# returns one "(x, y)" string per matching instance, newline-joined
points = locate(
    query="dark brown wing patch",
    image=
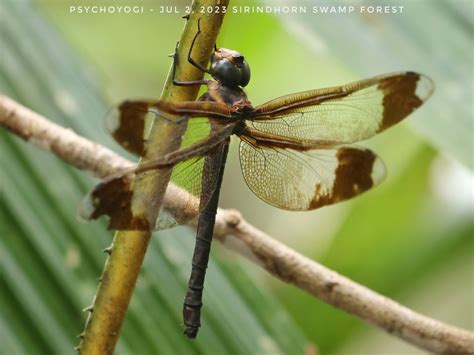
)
(354, 174)
(400, 98)
(113, 197)
(126, 123)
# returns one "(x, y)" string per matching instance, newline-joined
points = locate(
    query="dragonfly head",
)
(230, 68)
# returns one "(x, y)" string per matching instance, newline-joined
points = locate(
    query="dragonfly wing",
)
(344, 114)
(184, 198)
(129, 122)
(305, 180)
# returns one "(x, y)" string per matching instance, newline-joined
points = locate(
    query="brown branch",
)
(233, 231)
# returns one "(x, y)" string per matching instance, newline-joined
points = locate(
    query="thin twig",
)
(233, 231)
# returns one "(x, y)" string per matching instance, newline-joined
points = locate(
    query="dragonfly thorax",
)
(230, 68)
(231, 96)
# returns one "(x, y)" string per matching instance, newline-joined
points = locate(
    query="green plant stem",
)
(129, 247)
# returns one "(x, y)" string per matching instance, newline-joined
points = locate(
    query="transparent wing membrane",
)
(344, 114)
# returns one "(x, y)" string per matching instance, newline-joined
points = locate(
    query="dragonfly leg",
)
(175, 64)
(190, 59)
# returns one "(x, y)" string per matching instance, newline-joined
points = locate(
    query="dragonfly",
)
(296, 151)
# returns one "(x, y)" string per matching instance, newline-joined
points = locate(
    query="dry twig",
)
(231, 229)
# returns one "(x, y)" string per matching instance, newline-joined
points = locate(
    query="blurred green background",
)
(410, 239)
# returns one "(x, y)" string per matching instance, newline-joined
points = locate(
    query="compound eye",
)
(244, 73)
(226, 72)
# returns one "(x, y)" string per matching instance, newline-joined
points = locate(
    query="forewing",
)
(129, 122)
(344, 114)
(306, 180)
